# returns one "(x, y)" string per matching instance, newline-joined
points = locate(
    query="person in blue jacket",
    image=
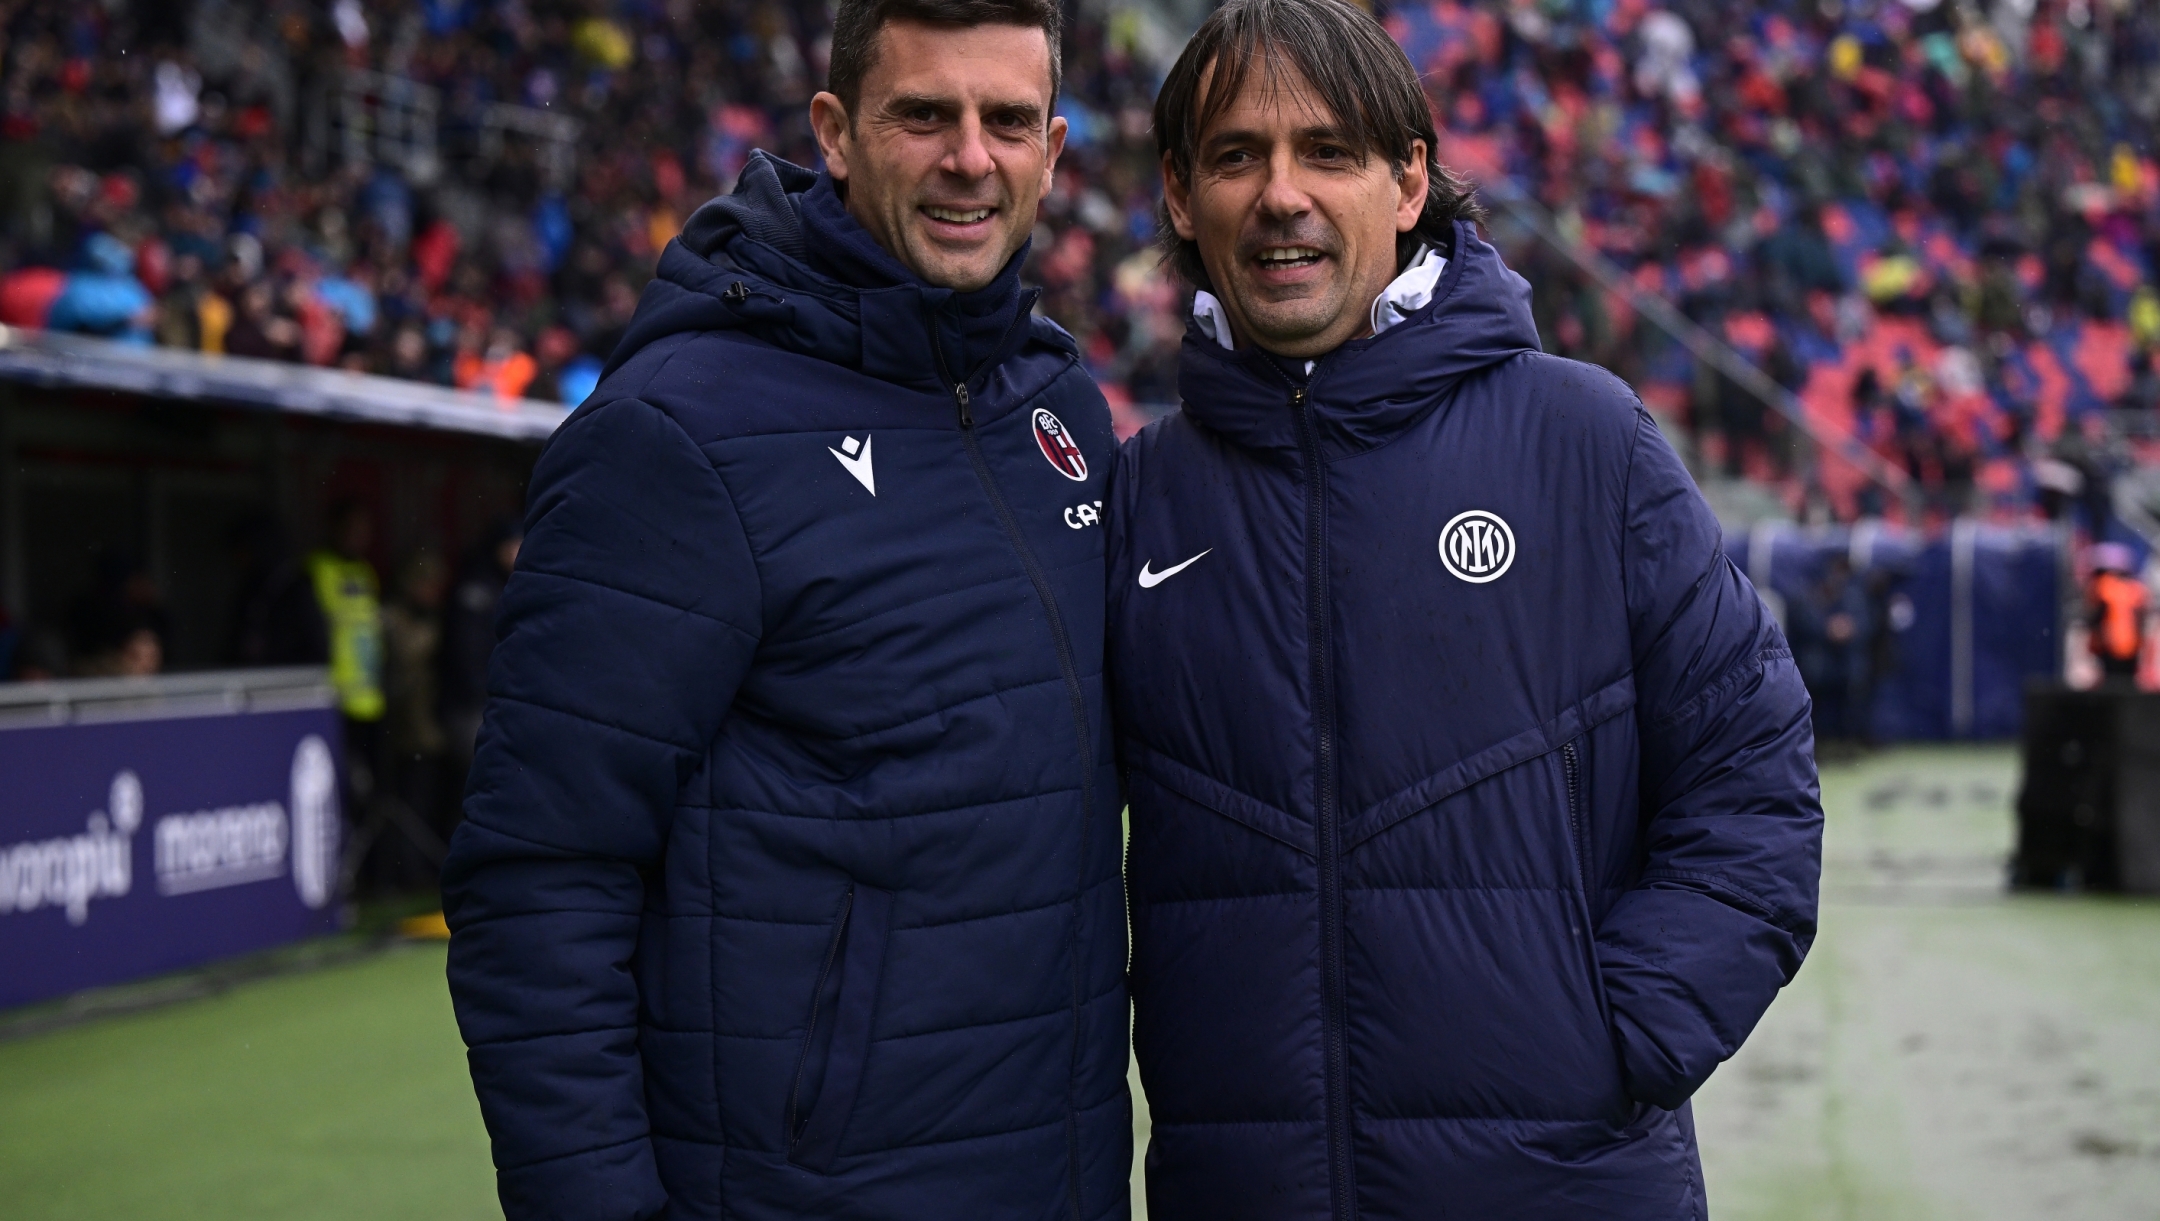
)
(788, 886)
(1474, 810)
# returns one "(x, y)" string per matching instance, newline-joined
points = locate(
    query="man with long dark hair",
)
(788, 886)
(1474, 815)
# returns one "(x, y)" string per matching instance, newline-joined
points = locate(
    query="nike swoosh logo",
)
(1149, 580)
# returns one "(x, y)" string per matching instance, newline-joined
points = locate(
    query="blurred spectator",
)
(118, 626)
(1832, 634)
(103, 297)
(2115, 607)
(349, 596)
(469, 634)
(412, 649)
(276, 619)
(40, 657)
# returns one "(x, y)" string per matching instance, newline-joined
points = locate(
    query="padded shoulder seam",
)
(631, 593)
(719, 478)
(514, 1040)
(593, 721)
(1686, 989)
(1735, 674)
(689, 337)
(1740, 895)
(556, 853)
(642, 1138)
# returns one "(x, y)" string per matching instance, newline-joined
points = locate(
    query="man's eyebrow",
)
(901, 103)
(1326, 132)
(1227, 136)
(1244, 135)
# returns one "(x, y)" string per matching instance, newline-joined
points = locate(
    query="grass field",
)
(337, 1093)
(1948, 1054)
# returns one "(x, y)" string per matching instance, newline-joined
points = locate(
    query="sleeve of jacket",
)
(622, 638)
(1724, 909)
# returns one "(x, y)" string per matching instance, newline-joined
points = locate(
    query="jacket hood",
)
(742, 263)
(1365, 391)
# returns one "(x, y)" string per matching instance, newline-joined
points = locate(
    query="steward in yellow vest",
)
(351, 603)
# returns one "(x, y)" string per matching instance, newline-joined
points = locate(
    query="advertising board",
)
(132, 847)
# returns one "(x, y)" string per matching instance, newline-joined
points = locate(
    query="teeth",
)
(1288, 254)
(958, 217)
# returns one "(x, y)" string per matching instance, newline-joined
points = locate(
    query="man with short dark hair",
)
(788, 886)
(1474, 814)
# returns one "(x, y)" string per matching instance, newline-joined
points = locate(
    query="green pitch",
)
(338, 1093)
(1949, 1053)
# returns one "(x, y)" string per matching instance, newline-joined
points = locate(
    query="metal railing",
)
(78, 701)
(393, 120)
(44, 358)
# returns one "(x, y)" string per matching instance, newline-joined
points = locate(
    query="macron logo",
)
(857, 461)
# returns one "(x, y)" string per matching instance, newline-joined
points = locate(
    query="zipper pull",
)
(1297, 399)
(960, 396)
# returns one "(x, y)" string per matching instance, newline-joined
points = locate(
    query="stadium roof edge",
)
(44, 358)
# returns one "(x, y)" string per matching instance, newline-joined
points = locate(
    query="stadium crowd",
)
(1936, 221)
(468, 192)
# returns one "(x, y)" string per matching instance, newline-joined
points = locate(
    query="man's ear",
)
(1177, 197)
(1415, 183)
(829, 119)
(1051, 150)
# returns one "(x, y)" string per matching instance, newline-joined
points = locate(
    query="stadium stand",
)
(470, 193)
(1934, 223)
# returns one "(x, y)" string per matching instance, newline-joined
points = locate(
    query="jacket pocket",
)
(836, 1039)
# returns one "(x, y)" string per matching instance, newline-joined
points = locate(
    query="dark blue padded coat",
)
(1460, 855)
(788, 886)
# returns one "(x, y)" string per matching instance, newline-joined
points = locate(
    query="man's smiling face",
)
(950, 148)
(1296, 226)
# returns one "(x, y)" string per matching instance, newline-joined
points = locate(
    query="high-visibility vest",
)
(352, 611)
(2121, 627)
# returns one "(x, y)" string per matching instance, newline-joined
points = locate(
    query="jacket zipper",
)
(1571, 767)
(1011, 524)
(795, 1117)
(1340, 1168)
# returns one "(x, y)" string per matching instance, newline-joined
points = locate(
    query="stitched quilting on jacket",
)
(1474, 813)
(789, 881)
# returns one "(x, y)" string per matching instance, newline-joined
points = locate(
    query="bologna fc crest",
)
(1477, 546)
(1057, 445)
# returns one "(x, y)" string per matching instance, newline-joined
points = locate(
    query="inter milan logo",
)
(1057, 445)
(1477, 546)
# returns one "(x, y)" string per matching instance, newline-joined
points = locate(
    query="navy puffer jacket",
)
(1474, 813)
(788, 886)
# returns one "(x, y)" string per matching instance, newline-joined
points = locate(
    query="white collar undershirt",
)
(1405, 295)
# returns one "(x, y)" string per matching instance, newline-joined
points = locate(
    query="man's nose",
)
(1283, 196)
(969, 156)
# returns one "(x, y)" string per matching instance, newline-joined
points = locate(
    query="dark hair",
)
(857, 25)
(1362, 77)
